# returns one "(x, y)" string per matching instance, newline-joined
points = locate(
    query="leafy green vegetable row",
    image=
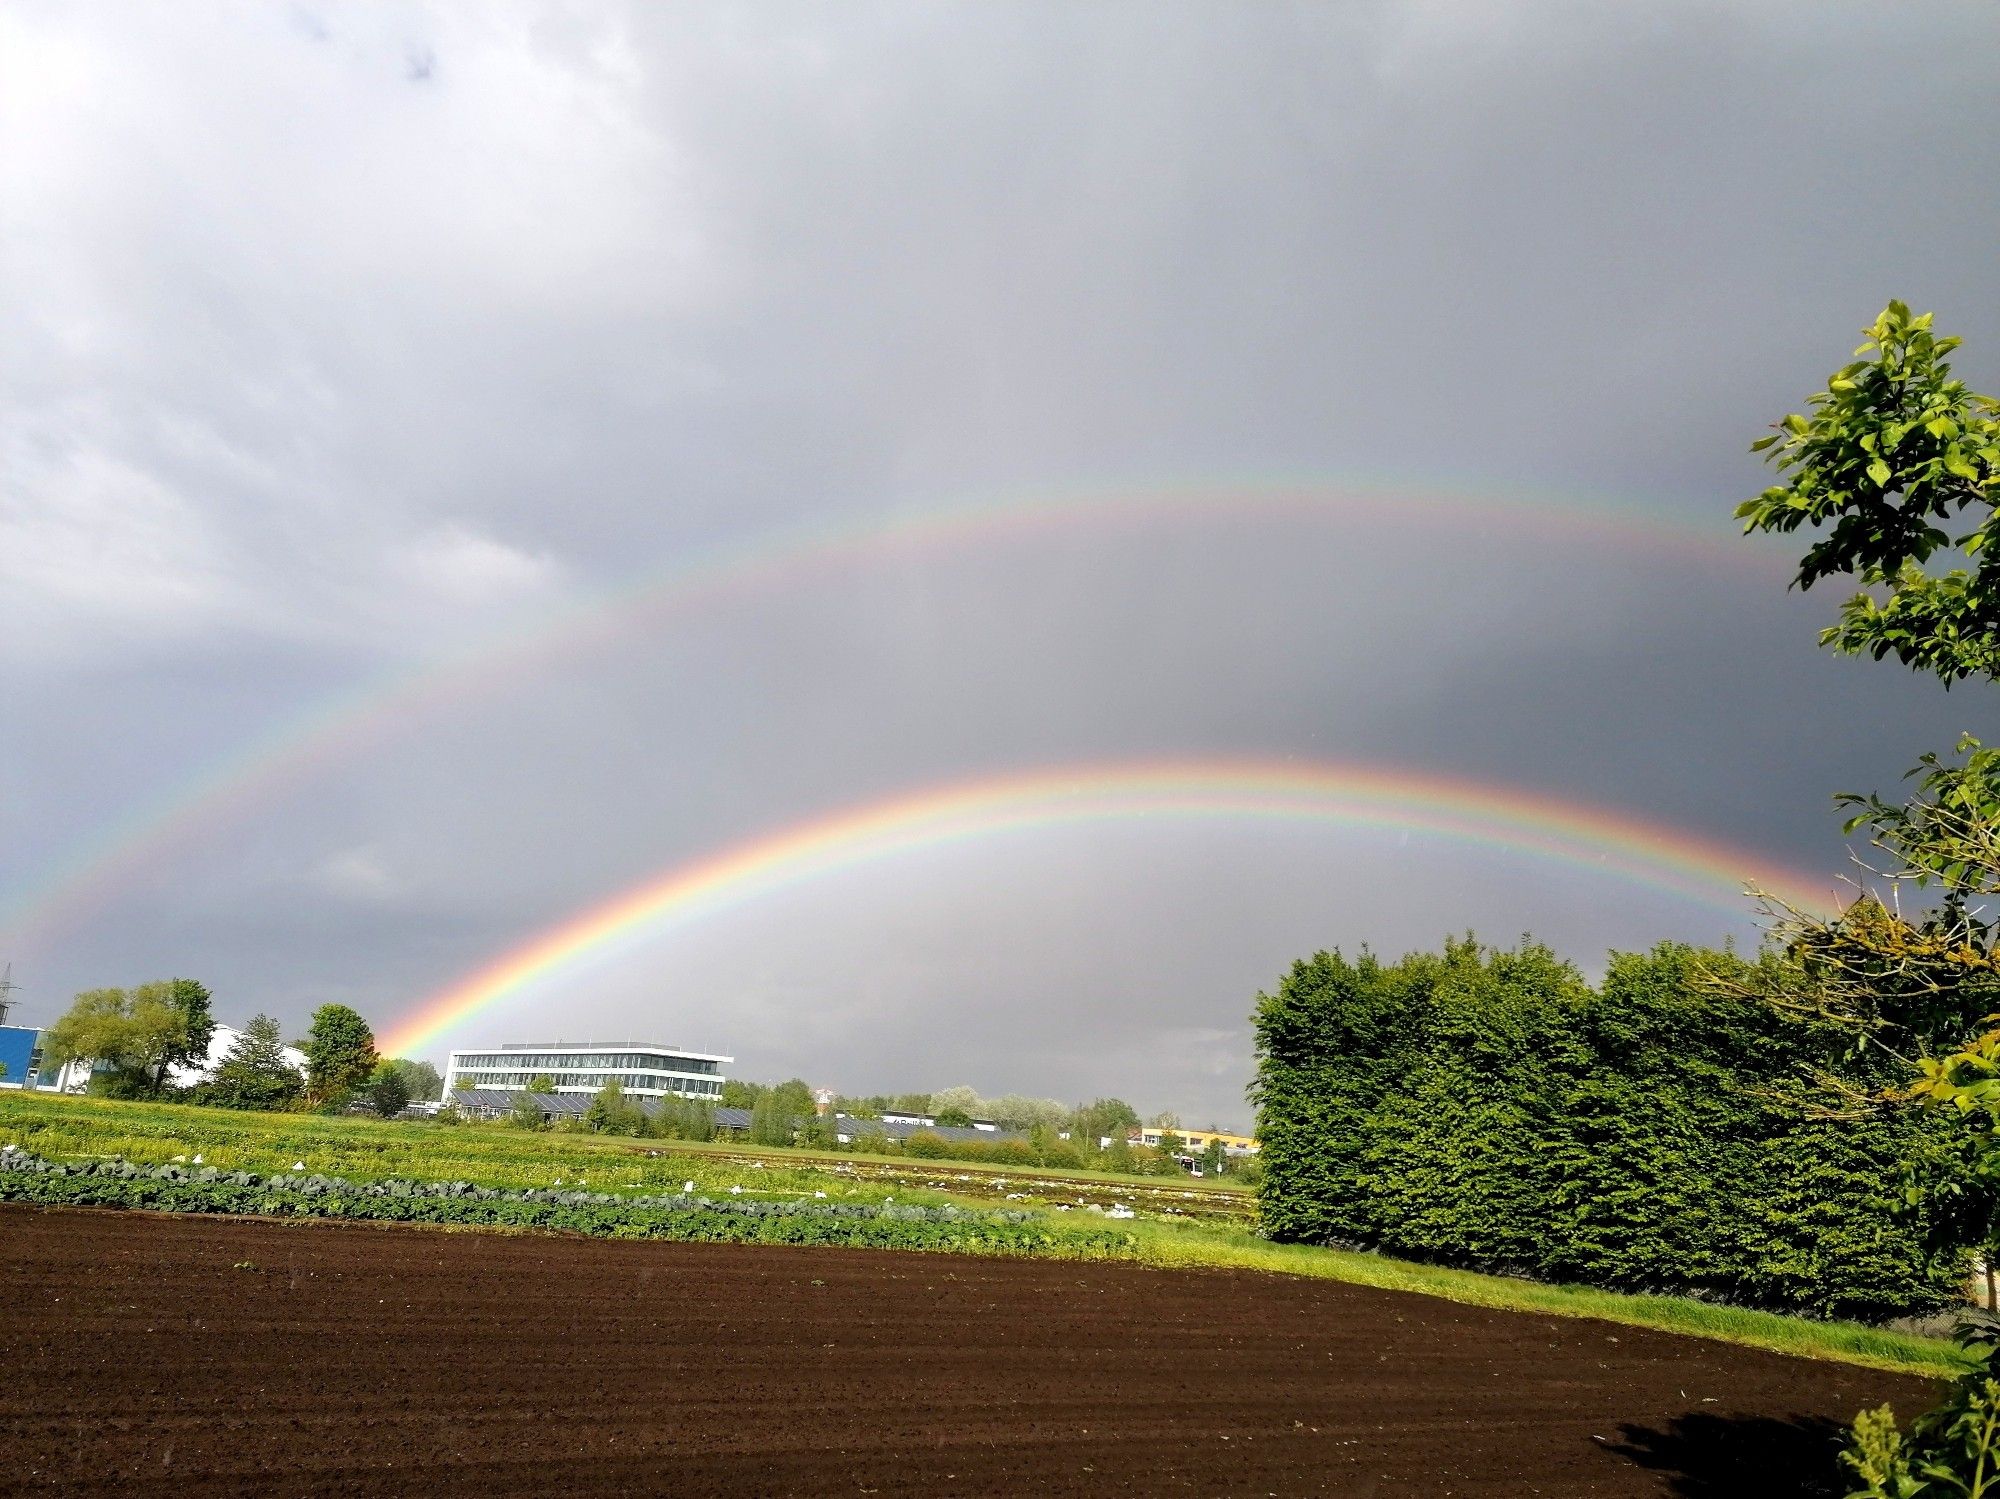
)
(118, 1183)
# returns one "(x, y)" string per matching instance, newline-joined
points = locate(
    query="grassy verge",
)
(1202, 1246)
(78, 1129)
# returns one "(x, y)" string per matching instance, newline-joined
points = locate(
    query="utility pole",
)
(7, 988)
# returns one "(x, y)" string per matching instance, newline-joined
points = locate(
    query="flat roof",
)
(653, 1046)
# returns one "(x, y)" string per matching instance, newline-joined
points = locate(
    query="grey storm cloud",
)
(336, 341)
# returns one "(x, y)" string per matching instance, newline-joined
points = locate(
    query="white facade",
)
(643, 1069)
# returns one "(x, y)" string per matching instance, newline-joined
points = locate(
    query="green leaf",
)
(1879, 472)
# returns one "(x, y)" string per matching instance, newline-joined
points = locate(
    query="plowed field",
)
(199, 1356)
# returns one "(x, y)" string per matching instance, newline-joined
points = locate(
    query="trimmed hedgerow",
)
(118, 1183)
(1492, 1110)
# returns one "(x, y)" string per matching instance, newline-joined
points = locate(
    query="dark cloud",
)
(309, 376)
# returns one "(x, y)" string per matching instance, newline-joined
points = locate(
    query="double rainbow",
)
(126, 850)
(1535, 826)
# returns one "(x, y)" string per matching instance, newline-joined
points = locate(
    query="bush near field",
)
(1490, 1109)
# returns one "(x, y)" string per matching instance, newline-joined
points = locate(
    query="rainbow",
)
(1536, 826)
(122, 853)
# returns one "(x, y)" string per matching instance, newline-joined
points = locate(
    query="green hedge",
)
(121, 1184)
(1491, 1109)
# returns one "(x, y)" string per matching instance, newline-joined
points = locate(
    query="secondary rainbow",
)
(346, 725)
(1534, 825)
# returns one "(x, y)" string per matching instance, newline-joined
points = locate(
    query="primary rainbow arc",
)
(1532, 824)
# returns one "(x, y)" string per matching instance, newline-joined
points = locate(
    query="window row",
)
(609, 1061)
(630, 1081)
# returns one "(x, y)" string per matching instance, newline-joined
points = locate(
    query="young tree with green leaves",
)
(388, 1091)
(1898, 463)
(340, 1054)
(610, 1113)
(421, 1080)
(189, 1000)
(132, 1032)
(254, 1073)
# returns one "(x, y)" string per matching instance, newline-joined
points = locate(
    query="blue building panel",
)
(17, 1046)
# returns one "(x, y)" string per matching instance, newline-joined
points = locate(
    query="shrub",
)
(1490, 1109)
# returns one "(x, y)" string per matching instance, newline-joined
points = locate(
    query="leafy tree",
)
(189, 999)
(1016, 1112)
(420, 1079)
(340, 1054)
(253, 1073)
(954, 1117)
(1212, 1157)
(610, 1112)
(525, 1111)
(1103, 1118)
(388, 1090)
(130, 1032)
(541, 1082)
(1894, 451)
(769, 1125)
(737, 1094)
(795, 1100)
(963, 1099)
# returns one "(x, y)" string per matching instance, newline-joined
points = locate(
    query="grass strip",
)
(1204, 1246)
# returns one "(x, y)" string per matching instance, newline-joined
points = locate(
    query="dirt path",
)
(135, 1353)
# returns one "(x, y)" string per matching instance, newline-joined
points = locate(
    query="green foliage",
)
(1950, 1452)
(610, 1113)
(189, 1000)
(926, 1145)
(254, 1074)
(954, 1119)
(1948, 833)
(541, 1082)
(1894, 451)
(688, 1219)
(683, 1119)
(388, 1092)
(421, 1081)
(340, 1053)
(135, 1034)
(769, 1125)
(1490, 1109)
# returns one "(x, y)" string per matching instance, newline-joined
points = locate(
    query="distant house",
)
(1194, 1141)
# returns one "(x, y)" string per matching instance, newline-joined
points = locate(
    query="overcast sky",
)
(336, 342)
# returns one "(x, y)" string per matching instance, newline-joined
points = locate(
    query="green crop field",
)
(82, 1130)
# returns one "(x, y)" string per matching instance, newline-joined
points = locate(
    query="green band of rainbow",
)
(1697, 869)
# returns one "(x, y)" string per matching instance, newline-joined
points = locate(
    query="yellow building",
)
(1196, 1140)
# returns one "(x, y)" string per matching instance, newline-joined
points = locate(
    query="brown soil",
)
(198, 1356)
